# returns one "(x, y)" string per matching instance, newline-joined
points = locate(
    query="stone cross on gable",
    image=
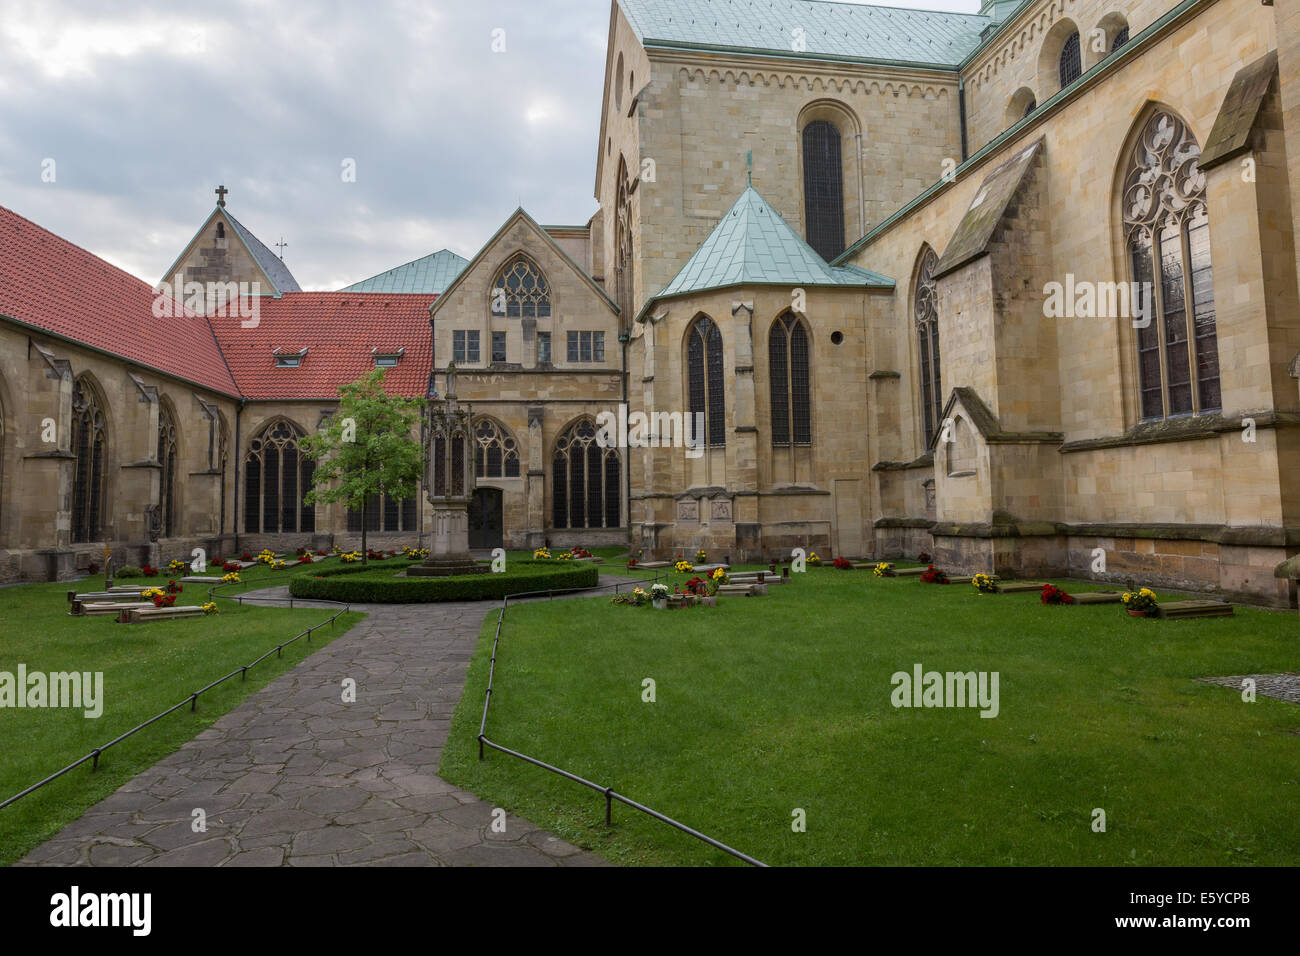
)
(221, 195)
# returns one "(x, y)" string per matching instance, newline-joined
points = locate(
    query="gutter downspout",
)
(235, 509)
(862, 190)
(624, 338)
(961, 113)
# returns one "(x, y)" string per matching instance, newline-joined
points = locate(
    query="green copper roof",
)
(753, 245)
(848, 30)
(431, 274)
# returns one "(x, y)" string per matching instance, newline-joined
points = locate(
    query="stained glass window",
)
(704, 375)
(823, 189)
(787, 345)
(521, 291)
(90, 445)
(585, 481)
(276, 478)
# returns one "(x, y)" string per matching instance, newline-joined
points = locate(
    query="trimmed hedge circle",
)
(378, 584)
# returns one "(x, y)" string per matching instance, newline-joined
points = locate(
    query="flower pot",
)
(1133, 613)
(659, 604)
(709, 600)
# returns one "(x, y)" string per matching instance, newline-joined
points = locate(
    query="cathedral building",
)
(1015, 288)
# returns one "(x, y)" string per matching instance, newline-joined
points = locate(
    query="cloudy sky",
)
(145, 107)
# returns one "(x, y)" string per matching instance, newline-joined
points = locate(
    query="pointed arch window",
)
(520, 291)
(90, 448)
(823, 188)
(1167, 236)
(787, 362)
(167, 470)
(1071, 63)
(705, 391)
(276, 478)
(385, 513)
(585, 485)
(926, 310)
(496, 454)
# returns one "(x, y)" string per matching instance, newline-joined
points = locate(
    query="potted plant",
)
(1141, 603)
(933, 575)
(659, 596)
(1054, 595)
(883, 569)
(844, 564)
(984, 584)
(814, 560)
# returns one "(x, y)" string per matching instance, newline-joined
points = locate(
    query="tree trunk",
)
(365, 551)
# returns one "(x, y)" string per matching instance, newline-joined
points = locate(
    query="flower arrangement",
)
(300, 552)
(1143, 600)
(631, 562)
(984, 584)
(718, 578)
(658, 594)
(564, 556)
(410, 552)
(933, 575)
(229, 566)
(637, 597)
(245, 557)
(350, 557)
(683, 567)
(579, 553)
(1054, 595)
(843, 564)
(697, 586)
(231, 578)
(373, 555)
(277, 565)
(814, 559)
(701, 556)
(177, 567)
(542, 554)
(149, 571)
(148, 594)
(883, 569)
(305, 558)
(174, 588)
(210, 608)
(924, 558)
(266, 556)
(164, 600)
(322, 553)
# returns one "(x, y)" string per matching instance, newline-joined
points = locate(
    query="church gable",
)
(225, 250)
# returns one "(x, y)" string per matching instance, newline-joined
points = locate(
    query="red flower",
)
(1054, 595)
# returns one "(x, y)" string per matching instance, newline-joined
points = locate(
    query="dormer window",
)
(387, 359)
(288, 359)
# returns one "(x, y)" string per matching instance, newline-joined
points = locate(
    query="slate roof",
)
(430, 274)
(753, 245)
(50, 284)
(338, 329)
(271, 264)
(854, 31)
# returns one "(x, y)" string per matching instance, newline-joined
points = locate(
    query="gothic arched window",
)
(823, 189)
(1167, 238)
(787, 363)
(496, 454)
(1071, 67)
(90, 447)
(385, 513)
(167, 470)
(276, 478)
(926, 309)
(520, 291)
(705, 391)
(1120, 39)
(585, 490)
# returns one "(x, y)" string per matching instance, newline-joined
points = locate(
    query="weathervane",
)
(281, 245)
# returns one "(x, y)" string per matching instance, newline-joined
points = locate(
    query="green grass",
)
(765, 705)
(147, 668)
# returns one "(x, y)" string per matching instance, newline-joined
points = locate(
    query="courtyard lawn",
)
(147, 668)
(767, 705)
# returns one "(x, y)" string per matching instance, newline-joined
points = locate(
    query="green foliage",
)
(368, 448)
(362, 585)
(128, 571)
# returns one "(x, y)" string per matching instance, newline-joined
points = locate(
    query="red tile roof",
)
(49, 283)
(338, 329)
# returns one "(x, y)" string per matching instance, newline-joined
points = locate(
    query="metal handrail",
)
(609, 792)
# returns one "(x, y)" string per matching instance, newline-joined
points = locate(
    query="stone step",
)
(908, 572)
(104, 596)
(80, 609)
(1177, 610)
(144, 615)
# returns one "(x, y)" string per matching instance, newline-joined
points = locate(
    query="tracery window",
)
(823, 188)
(496, 455)
(384, 513)
(926, 308)
(167, 465)
(520, 291)
(90, 446)
(585, 489)
(1120, 39)
(276, 478)
(704, 378)
(1167, 236)
(787, 358)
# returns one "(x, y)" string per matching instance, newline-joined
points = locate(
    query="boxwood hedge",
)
(379, 584)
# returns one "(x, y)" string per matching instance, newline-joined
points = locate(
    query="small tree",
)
(367, 449)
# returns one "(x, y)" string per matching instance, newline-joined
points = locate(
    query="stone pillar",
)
(536, 534)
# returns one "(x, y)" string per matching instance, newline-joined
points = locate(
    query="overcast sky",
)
(146, 107)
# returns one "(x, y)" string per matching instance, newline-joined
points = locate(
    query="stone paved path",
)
(1282, 686)
(294, 776)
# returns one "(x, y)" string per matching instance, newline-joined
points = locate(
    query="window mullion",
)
(1189, 319)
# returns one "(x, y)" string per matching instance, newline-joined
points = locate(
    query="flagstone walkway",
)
(295, 776)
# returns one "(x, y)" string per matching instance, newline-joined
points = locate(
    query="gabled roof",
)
(841, 30)
(271, 264)
(753, 245)
(519, 215)
(339, 331)
(276, 272)
(49, 284)
(430, 274)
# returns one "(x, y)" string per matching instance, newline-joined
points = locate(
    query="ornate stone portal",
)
(449, 480)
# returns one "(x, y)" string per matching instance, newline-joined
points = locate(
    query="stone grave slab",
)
(1179, 610)
(1098, 597)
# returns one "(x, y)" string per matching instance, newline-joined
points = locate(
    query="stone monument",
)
(449, 481)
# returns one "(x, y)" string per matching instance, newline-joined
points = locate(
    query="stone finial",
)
(221, 195)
